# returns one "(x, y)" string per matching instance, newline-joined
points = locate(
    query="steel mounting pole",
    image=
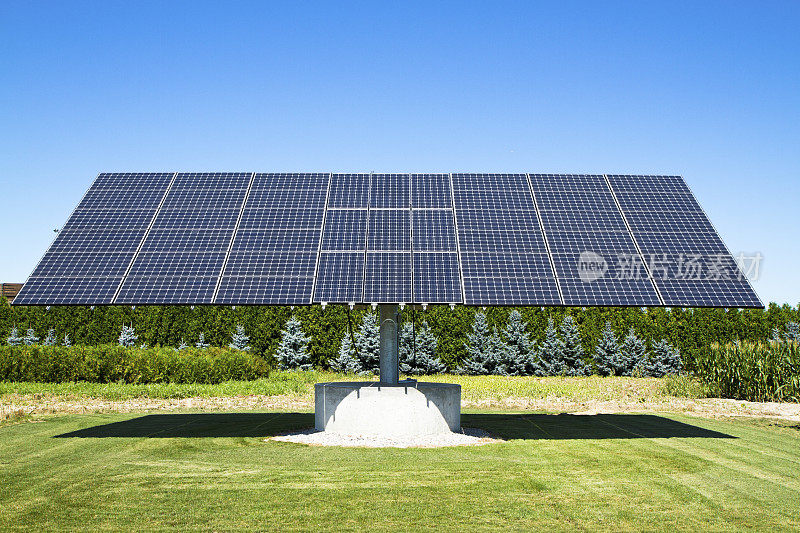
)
(389, 345)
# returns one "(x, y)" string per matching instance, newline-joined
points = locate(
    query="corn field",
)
(756, 371)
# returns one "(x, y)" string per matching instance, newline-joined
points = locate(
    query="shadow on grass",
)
(505, 426)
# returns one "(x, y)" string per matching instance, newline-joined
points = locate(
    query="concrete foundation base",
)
(380, 409)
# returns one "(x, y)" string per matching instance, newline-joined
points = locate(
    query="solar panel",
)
(500, 238)
(595, 259)
(691, 265)
(478, 239)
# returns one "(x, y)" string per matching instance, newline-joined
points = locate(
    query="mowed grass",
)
(214, 471)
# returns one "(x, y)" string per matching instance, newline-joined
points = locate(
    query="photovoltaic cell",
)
(593, 254)
(389, 230)
(436, 278)
(345, 230)
(340, 278)
(390, 190)
(388, 277)
(349, 190)
(387, 238)
(691, 265)
(431, 191)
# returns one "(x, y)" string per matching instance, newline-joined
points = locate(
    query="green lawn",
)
(214, 471)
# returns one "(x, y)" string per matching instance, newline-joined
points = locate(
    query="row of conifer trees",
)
(508, 352)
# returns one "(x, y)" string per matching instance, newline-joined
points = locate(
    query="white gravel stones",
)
(467, 437)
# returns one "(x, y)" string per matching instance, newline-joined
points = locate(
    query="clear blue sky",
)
(710, 91)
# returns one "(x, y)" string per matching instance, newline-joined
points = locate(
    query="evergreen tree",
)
(633, 354)
(572, 350)
(182, 345)
(551, 356)
(479, 359)
(240, 340)
(67, 342)
(497, 349)
(792, 332)
(14, 339)
(201, 341)
(30, 338)
(346, 362)
(50, 339)
(292, 351)
(663, 360)
(518, 349)
(127, 337)
(419, 357)
(607, 352)
(368, 343)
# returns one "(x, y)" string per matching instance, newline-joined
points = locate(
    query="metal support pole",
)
(390, 357)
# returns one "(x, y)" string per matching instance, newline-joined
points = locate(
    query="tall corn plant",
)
(755, 371)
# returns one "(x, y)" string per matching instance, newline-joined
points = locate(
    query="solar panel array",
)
(475, 239)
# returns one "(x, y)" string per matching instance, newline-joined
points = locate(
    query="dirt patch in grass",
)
(14, 406)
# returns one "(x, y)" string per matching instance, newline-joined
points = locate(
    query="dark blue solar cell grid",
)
(653, 184)
(388, 277)
(132, 180)
(271, 240)
(77, 264)
(264, 291)
(608, 266)
(708, 293)
(211, 181)
(502, 265)
(434, 231)
(563, 242)
(568, 182)
(431, 191)
(68, 291)
(668, 222)
(178, 264)
(196, 240)
(98, 240)
(291, 181)
(271, 264)
(204, 199)
(113, 219)
(389, 230)
(340, 277)
(604, 291)
(693, 266)
(500, 220)
(349, 190)
(287, 198)
(494, 199)
(345, 230)
(196, 218)
(436, 278)
(511, 291)
(583, 221)
(501, 241)
(122, 199)
(390, 190)
(490, 181)
(172, 289)
(676, 243)
(658, 202)
(281, 218)
(573, 200)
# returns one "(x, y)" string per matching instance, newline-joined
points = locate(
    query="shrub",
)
(755, 371)
(109, 364)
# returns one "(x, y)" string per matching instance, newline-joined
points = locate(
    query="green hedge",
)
(756, 371)
(689, 330)
(111, 364)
